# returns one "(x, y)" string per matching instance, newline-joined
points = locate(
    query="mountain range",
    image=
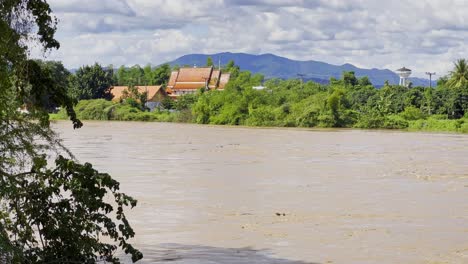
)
(272, 66)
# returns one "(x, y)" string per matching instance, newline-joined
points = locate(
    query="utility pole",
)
(301, 76)
(430, 78)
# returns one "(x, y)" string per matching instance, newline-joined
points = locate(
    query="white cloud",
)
(91, 6)
(422, 35)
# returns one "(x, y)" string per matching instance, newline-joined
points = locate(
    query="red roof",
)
(194, 74)
(188, 85)
(173, 78)
(195, 78)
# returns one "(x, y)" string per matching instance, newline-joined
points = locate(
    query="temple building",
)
(189, 80)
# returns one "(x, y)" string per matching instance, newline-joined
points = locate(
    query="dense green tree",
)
(444, 101)
(48, 213)
(92, 82)
(185, 102)
(57, 70)
(148, 75)
(161, 74)
(349, 79)
(412, 113)
(358, 98)
(389, 100)
(122, 75)
(364, 81)
(136, 75)
(414, 97)
(230, 65)
(232, 68)
(60, 76)
(428, 101)
(167, 103)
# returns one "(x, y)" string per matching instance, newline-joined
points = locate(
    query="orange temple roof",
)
(195, 78)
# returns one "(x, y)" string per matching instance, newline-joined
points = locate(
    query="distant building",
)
(404, 73)
(258, 87)
(155, 94)
(189, 80)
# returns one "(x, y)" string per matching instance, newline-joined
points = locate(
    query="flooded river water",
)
(247, 195)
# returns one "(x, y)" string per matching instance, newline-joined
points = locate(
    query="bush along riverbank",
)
(100, 109)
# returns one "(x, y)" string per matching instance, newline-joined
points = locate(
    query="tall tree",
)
(209, 61)
(232, 68)
(135, 75)
(60, 76)
(147, 75)
(48, 213)
(364, 81)
(92, 82)
(161, 74)
(349, 79)
(122, 75)
(459, 76)
(230, 65)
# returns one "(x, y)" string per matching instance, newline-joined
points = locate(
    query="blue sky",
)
(422, 35)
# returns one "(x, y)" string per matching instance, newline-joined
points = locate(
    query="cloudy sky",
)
(424, 35)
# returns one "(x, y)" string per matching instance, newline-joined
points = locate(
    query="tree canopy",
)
(147, 76)
(92, 82)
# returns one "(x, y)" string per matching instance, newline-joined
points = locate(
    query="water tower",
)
(404, 73)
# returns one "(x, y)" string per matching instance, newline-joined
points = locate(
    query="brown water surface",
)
(245, 195)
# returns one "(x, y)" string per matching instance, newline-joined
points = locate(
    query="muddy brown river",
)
(214, 194)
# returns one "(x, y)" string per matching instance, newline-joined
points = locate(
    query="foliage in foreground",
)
(48, 214)
(62, 214)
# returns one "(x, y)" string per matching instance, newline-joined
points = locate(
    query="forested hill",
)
(273, 66)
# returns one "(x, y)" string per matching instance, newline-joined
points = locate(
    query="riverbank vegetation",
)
(348, 102)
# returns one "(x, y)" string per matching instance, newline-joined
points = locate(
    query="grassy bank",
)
(100, 109)
(410, 120)
(439, 125)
